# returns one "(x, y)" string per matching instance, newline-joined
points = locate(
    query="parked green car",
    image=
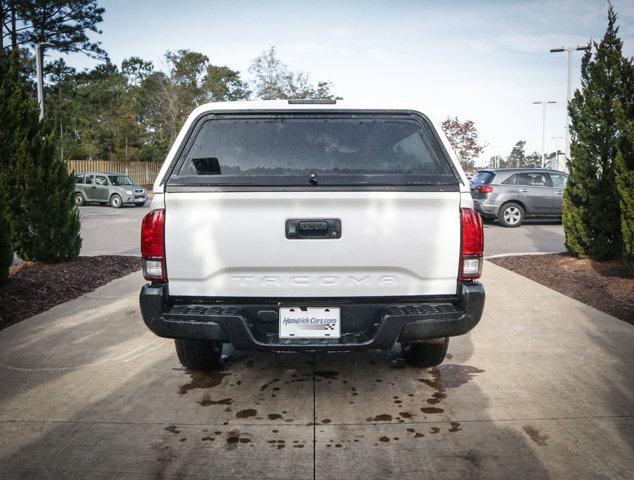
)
(114, 189)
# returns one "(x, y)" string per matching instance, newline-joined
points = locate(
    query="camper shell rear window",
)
(313, 149)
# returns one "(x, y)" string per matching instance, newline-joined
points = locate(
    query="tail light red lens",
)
(472, 244)
(485, 189)
(153, 246)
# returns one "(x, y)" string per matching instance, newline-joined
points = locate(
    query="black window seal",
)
(187, 143)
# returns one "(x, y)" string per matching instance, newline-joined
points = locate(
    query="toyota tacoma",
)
(311, 225)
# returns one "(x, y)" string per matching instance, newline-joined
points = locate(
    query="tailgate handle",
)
(325, 228)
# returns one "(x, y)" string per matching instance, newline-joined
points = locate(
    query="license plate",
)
(310, 322)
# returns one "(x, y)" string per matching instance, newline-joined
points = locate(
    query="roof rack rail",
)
(315, 101)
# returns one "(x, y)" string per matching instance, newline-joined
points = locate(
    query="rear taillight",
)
(485, 189)
(471, 244)
(153, 246)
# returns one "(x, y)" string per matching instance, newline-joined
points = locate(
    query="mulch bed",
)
(34, 287)
(607, 286)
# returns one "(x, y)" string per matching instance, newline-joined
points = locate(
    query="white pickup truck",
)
(311, 226)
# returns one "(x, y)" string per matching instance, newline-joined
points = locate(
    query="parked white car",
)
(311, 225)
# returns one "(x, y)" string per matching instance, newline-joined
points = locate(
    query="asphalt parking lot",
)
(110, 231)
(541, 388)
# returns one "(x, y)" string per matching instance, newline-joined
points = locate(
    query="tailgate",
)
(234, 244)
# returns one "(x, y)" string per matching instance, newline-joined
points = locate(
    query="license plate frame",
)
(309, 322)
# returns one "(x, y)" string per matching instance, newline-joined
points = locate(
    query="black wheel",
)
(426, 353)
(511, 215)
(115, 201)
(79, 199)
(199, 354)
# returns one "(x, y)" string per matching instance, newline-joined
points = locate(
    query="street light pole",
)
(568, 88)
(543, 103)
(39, 73)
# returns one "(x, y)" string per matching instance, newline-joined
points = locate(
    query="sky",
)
(483, 61)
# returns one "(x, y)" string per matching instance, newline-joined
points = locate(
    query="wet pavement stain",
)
(418, 435)
(383, 417)
(535, 436)
(233, 439)
(450, 376)
(446, 377)
(208, 439)
(384, 439)
(266, 385)
(274, 416)
(206, 401)
(455, 427)
(326, 420)
(200, 379)
(434, 430)
(431, 410)
(247, 413)
(172, 429)
(328, 374)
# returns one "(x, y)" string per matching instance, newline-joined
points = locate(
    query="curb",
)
(499, 255)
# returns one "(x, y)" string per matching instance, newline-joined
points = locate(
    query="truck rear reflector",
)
(153, 246)
(471, 244)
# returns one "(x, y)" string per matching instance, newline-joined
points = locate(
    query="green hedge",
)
(6, 252)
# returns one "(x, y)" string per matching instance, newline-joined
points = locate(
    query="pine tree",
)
(591, 215)
(36, 186)
(624, 173)
(6, 252)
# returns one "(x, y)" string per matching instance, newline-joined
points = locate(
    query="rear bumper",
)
(487, 211)
(365, 323)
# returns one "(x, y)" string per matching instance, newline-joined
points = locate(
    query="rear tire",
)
(426, 353)
(115, 201)
(79, 199)
(199, 354)
(511, 215)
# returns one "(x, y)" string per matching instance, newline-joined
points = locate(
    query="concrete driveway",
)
(542, 388)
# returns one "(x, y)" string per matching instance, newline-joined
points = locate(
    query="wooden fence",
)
(139, 172)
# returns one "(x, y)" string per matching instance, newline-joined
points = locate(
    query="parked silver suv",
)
(512, 194)
(115, 189)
